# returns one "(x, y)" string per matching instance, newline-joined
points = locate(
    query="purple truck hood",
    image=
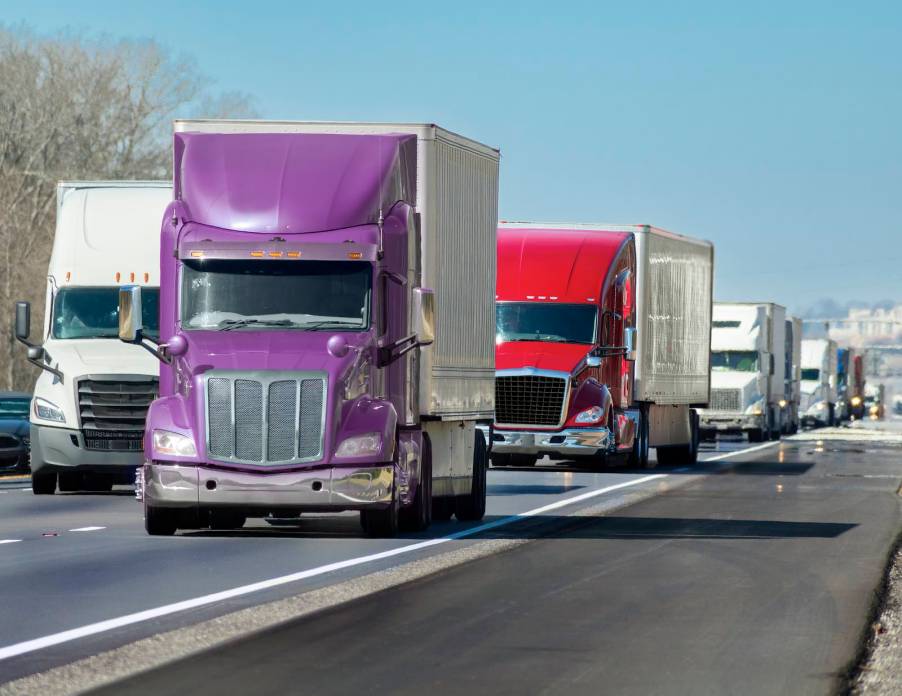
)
(292, 183)
(265, 350)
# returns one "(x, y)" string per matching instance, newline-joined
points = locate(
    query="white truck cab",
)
(819, 381)
(747, 371)
(91, 398)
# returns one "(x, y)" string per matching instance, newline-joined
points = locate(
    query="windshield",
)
(535, 321)
(14, 408)
(811, 374)
(736, 360)
(273, 295)
(94, 312)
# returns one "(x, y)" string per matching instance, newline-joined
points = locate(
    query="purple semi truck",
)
(326, 324)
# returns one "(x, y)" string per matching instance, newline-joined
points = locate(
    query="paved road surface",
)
(754, 580)
(73, 560)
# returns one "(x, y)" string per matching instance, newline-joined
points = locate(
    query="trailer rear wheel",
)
(418, 516)
(43, 483)
(442, 509)
(160, 521)
(639, 456)
(682, 455)
(524, 460)
(471, 507)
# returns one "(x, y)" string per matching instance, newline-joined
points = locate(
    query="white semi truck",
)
(793, 375)
(747, 371)
(91, 398)
(819, 379)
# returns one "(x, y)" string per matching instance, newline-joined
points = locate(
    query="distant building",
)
(861, 327)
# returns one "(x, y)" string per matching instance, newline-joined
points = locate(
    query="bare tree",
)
(77, 108)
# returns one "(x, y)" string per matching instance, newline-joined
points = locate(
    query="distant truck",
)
(793, 375)
(327, 322)
(602, 343)
(748, 365)
(91, 399)
(849, 384)
(875, 401)
(819, 378)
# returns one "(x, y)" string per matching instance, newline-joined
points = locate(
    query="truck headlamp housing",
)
(756, 408)
(173, 444)
(590, 415)
(48, 411)
(856, 401)
(360, 445)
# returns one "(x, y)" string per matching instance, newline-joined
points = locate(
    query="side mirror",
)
(23, 321)
(424, 315)
(629, 341)
(130, 326)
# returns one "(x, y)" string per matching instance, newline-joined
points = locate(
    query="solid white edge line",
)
(87, 529)
(9, 541)
(718, 457)
(165, 610)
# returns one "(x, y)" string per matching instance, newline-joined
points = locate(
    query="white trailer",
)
(819, 381)
(91, 398)
(793, 392)
(748, 344)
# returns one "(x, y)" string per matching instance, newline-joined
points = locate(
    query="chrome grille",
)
(725, 399)
(113, 412)
(265, 418)
(529, 400)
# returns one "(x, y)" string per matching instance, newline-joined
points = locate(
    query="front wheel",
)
(160, 521)
(471, 507)
(43, 483)
(418, 516)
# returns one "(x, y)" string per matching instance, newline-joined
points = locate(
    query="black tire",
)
(382, 523)
(756, 435)
(70, 481)
(502, 460)
(97, 483)
(639, 455)
(471, 507)
(524, 460)
(418, 516)
(160, 521)
(226, 519)
(442, 509)
(682, 455)
(43, 483)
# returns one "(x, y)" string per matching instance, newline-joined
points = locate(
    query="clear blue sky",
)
(772, 130)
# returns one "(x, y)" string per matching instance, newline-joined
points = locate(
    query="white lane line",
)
(718, 457)
(168, 609)
(148, 614)
(86, 529)
(9, 541)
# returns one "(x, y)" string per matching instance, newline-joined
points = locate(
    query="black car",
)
(14, 432)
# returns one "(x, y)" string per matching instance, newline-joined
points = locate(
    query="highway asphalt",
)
(755, 580)
(70, 561)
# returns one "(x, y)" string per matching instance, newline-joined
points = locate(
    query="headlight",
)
(173, 444)
(590, 415)
(757, 407)
(45, 410)
(783, 403)
(856, 401)
(360, 445)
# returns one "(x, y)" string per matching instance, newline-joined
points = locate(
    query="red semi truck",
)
(603, 341)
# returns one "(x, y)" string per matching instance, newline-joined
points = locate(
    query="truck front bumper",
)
(730, 422)
(573, 442)
(61, 449)
(321, 490)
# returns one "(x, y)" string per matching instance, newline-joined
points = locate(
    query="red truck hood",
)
(542, 355)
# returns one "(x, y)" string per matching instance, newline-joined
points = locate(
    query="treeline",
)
(73, 107)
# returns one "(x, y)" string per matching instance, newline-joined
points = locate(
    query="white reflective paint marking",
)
(9, 541)
(205, 600)
(718, 457)
(86, 529)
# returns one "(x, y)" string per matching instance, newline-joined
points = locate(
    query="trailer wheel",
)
(442, 509)
(471, 507)
(43, 483)
(639, 455)
(524, 460)
(160, 521)
(418, 516)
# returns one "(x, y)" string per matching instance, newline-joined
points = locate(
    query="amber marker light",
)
(293, 254)
(197, 254)
(257, 254)
(276, 254)
(355, 255)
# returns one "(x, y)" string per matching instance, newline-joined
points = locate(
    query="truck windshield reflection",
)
(232, 294)
(549, 322)
(739, 360)
(94, 312)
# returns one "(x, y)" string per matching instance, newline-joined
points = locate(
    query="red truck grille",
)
(529, 400)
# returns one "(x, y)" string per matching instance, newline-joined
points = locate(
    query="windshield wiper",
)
(229, 324)
(329, 323)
